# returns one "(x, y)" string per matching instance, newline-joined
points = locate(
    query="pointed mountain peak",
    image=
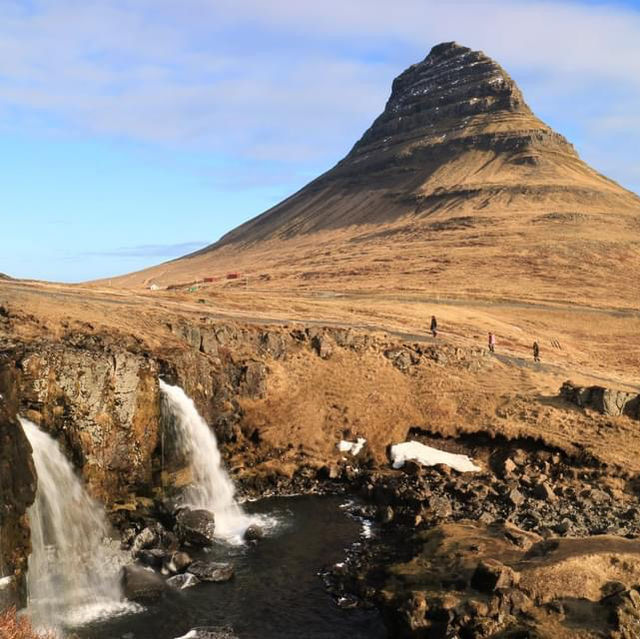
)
(454, 88)
(455, 136)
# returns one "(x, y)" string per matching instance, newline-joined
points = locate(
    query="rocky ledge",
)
(537, 545)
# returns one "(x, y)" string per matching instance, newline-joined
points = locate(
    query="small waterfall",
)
(73, 573)
(211, 488)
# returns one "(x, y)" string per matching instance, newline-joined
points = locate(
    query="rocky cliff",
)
(17, 492)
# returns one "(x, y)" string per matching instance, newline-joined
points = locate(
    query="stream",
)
(276, 591)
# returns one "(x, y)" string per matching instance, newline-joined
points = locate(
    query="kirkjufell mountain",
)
(457, 183)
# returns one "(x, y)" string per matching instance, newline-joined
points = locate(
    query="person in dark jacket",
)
(536, 352)
(434, 326)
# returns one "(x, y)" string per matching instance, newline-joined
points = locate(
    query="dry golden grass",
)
(13, 626)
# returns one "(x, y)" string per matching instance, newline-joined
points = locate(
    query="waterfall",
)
(211, 488)
(73, 572)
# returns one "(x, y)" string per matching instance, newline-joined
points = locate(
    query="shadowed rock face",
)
(440, 95)
(17, 492)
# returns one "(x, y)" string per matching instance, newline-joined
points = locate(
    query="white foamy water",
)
(211, 488)
(73, 573)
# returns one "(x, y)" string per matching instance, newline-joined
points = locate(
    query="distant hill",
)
(457, 186)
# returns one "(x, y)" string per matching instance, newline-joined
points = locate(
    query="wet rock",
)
(210, 632)
(385, 514)
(142, 584)
(147, 538)
(180, 582)
(564, 526)
(211, 570)
(195, 527)
(253, 533)
(179, 562)
(127, 537)
(153, 557)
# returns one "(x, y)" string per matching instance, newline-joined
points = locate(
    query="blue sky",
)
(134, 131)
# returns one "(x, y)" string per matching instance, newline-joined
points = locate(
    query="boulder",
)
(147, 538)
(491, 575)
(211, 570)
(253, 533)
(195, 527)
(322, 346)
(180, 582)
(152, 557)
(142, 584)
(179, 562)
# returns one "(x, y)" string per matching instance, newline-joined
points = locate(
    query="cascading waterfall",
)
(211, 488)
(73, 572)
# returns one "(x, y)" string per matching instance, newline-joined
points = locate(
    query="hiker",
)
(492, 342)
(434, 326)
(536, 352)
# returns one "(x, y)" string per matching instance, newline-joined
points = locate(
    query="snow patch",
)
(352, 447)
(429, 456)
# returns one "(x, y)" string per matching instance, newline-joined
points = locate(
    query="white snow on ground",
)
(429, 456)
(352, 447)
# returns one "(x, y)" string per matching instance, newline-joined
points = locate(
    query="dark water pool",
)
(276, 592)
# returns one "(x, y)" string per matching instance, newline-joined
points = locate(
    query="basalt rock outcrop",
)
(538, 545)
(17, 493)
(101, 402)
(607, 401)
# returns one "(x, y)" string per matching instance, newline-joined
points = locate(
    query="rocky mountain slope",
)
(455, 135)
(455, 183)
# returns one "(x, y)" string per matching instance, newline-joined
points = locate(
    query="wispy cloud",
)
(284, 81)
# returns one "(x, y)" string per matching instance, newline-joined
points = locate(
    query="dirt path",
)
(18, 292)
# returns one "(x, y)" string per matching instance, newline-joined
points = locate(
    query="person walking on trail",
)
(492, 342)
(536, 352)
(434, 326)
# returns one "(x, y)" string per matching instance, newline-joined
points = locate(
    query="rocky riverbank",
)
(550, 518)
(536, 545)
